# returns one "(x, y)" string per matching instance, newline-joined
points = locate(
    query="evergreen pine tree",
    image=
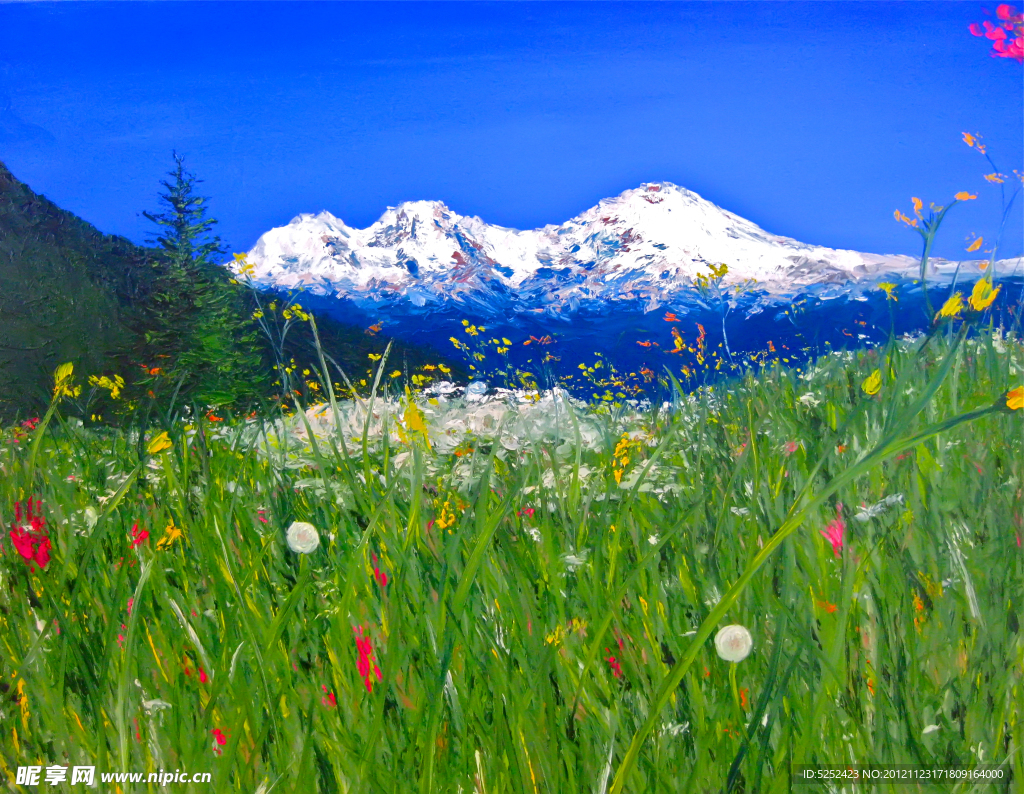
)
(201, 336)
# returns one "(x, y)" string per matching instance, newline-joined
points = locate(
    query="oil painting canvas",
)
(511, 396)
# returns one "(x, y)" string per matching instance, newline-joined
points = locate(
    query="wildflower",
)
(526, 511)
(32, 544)
(302, 537)
(791, 447)
(378, 574)
(733, 643)
(977, 243)
(963, 195)
(159, 443)
(888, 288)
(365, 647)
(982, 295)
(1015, 399)
(220, 737)
(615, 666)
(952, 307)
(328, 700)
(833, 533)
(62, 379)
(171, 534)
(139, 536)
(867, 513)
(261, 514)
(872, 383)
(203, 677)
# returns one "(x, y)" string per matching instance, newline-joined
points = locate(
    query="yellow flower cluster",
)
(113, 386)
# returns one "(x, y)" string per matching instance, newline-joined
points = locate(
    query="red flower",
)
(139, 536)
(379, 575)
(527, 511)
(33, 543)
(365, 647)
(203, 678)
(329, 701)
(220, 737)
(614, 665)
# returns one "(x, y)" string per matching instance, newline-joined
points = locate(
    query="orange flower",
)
(1015, 399)
(969, 139)
(670, 318)
(963, 195)
(975, 245)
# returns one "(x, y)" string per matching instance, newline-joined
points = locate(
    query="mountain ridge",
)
(646, 245)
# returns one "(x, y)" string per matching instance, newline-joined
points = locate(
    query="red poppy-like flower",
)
(203, 677)
(366, 661)
(31, 542)
(328, 700)
(139, 536)
(615, 666)
(220, 737)
(527, 511)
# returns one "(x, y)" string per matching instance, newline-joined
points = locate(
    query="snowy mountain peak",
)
(645, 245)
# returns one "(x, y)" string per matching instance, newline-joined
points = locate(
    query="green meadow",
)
(521, 592)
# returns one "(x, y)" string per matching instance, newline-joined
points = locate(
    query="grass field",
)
(520, 593)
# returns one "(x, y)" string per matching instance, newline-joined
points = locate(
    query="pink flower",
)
(220, 737)
(833, 533)
(329, 701)
(203, 677)
(527, 511)
(791, 447)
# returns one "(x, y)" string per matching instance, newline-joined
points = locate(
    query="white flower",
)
(534, 533)
(653, 540)
(733, 643)
(929, 729)
(302, 537)
(155, 705)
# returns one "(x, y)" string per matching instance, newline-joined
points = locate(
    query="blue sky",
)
(814, 120)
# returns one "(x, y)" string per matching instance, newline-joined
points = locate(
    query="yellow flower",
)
(975, 245)
(62, 381)
(1015, 399)
(968, 139)
(952, 307)
(983, 295)
(396, 373)
(996, 178)
(887, 288)
(963, 195)
(171, 534)
(872, 383)
(917, 206)
(159, 443)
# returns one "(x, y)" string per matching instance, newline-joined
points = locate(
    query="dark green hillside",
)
(68, 292)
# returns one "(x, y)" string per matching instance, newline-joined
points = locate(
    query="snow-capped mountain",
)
(644, 246)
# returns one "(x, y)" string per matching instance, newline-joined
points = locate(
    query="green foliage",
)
(198, 315)
(539, 602)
